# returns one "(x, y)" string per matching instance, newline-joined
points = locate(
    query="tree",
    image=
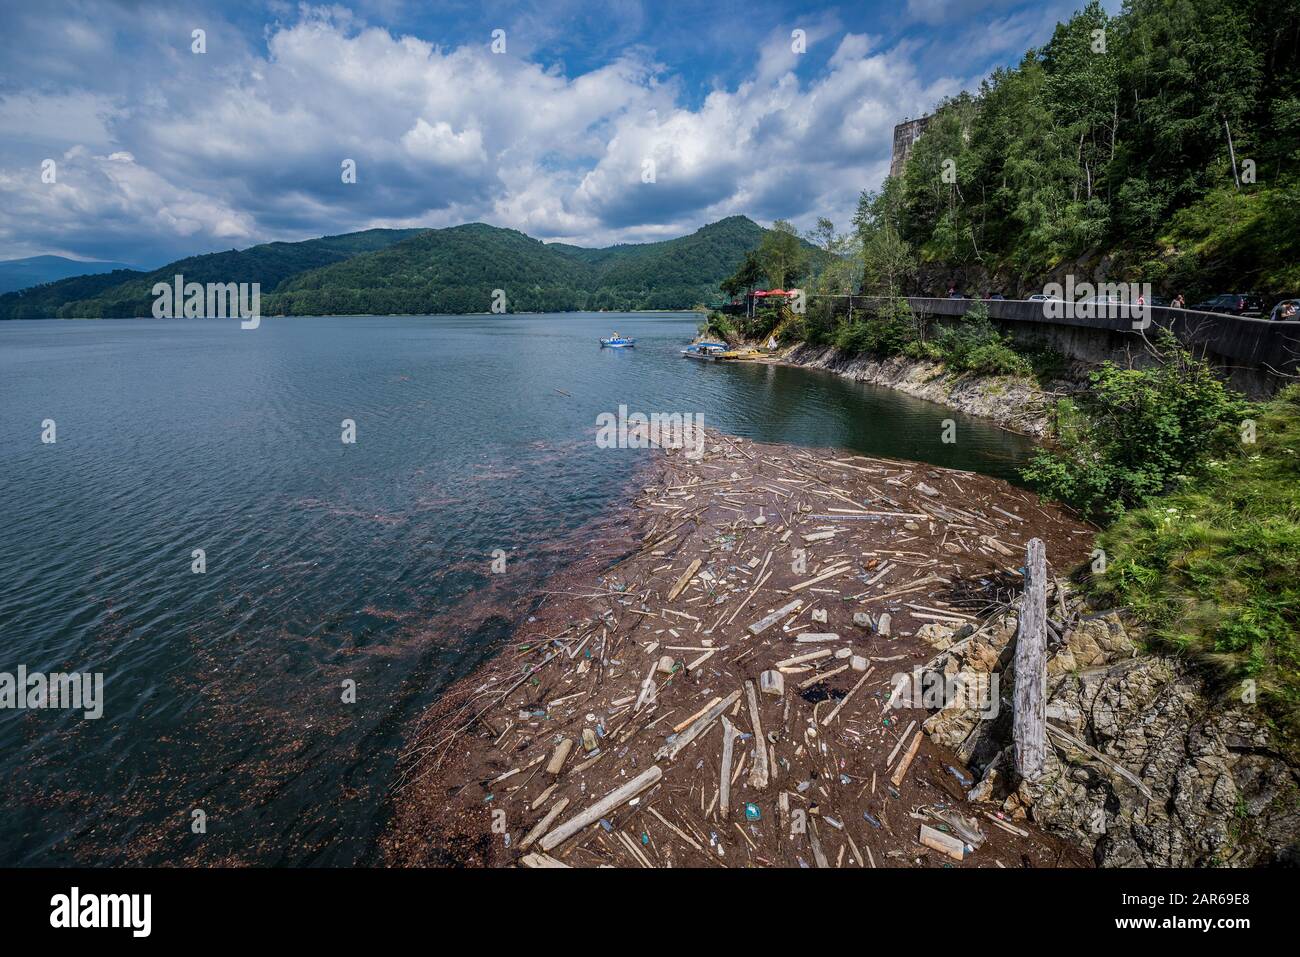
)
(782, 255)
(824, 237)
(749, 275)
(888, 261)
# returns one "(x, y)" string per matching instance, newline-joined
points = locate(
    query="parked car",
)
(1040, 297)
(1288, 310)
(1233, 304)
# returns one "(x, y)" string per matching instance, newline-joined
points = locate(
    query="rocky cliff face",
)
(1148, 767)
(1015, 403)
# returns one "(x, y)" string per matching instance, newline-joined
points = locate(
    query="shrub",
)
(719, 326)
(819, 322)
(883, 335)
(996, 358)
(921, 351)
(1141, 432)
(975, 345)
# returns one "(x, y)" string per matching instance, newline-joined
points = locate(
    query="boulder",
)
(936, 635)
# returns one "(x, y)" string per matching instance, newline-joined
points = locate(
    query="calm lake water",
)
(325, 562)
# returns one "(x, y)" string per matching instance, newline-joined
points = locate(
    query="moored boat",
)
(706, 351)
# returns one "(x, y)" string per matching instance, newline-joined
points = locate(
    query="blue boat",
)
(617, 342)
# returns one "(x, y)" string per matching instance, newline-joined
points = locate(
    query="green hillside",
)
(440, 271)
(456, 270)
(418, 272)
(678, 273)
(125, 292)
(1157, 145)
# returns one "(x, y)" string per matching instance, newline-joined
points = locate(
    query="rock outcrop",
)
(1148, 767)
(1013, 402)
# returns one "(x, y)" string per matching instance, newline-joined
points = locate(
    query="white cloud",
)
(244, 145)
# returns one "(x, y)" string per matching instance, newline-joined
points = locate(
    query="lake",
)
(329, 569)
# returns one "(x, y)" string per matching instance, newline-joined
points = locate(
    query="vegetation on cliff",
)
(1212, 567)
(1163, 139)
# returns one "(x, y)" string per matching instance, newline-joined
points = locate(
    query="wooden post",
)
(1030, 704)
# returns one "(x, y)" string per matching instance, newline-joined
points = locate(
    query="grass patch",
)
(1213, 567)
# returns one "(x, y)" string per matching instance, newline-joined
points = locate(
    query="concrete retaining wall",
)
(1256, 355)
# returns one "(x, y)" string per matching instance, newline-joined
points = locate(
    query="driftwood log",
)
(602, 807)
(728, 744)
(758, 774)
(1030, 701)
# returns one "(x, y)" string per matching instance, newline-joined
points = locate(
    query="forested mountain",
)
(128, 292)
(456, 270)
(34, 270)
(452, 270)
(1163, 141)
(677, 273)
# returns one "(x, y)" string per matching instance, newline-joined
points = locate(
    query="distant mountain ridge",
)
(18, 274)
(129, 292)
(419, 271)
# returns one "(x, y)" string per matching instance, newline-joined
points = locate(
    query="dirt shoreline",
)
(711, 549)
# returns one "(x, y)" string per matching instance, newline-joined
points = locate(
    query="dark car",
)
(1288, 310)
(1233, 304)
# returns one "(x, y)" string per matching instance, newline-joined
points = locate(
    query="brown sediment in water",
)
(715, 545)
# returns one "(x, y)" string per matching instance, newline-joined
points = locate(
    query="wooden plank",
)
(1029, 716)
(541, 860)
(800, 659)
(840, 570)
(671, 750)
(808, 682)
(944, 843)
(760, 626)
(758, 773)
(906, 763)
(542, 826)
(845, 700)
(691, 720)
(728, 752)
(682, 582)
(602, 807)
(557, 759)
(893, 754)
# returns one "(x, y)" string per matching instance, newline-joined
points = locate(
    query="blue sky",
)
(161, 152)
